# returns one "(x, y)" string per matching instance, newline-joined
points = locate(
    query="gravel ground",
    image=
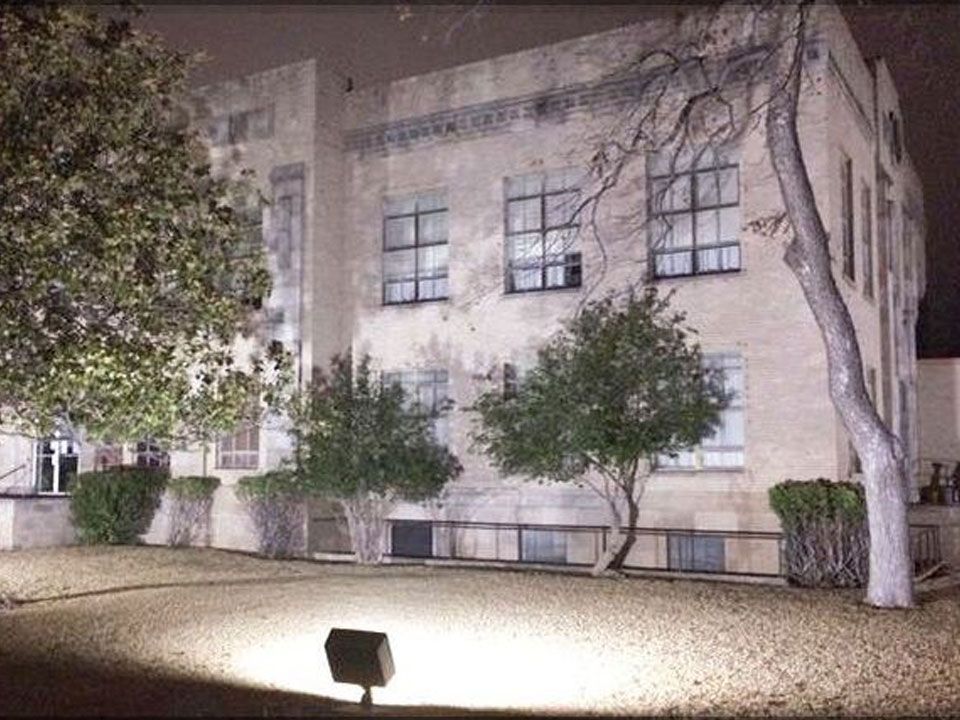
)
(160, 631)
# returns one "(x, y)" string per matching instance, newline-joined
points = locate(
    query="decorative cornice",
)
(504, 114)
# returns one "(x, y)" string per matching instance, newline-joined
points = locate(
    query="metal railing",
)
(925, 548)
(669, 550)
(742, 553)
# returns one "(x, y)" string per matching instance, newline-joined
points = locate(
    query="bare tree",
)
(735, 70)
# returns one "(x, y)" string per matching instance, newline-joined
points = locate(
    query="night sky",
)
(372, 43)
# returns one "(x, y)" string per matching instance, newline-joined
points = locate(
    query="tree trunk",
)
(620, 543)
(807, 255)
(614, 540)
(633, 512)
(367, 522)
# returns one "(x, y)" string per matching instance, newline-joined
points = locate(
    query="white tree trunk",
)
(367, 522)
(615, 539)
(890, 582)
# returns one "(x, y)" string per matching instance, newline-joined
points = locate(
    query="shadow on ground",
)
(69, 688)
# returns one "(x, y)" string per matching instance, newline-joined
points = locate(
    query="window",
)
(415, 249)
(511, 380)
(846, 219)
(249, 244)
(241, 126)
(411, 538)
(108, 455)
(148, 453)
(426, 392)
(694, 210)
(542, 232)
(724, 447)
(866, 231)
(241, 450)
(696, 553)
(57, 462)
(546, 546)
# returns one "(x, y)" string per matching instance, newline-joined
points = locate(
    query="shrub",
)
(116, 506)
(826, 543)
(276, 505)
(191, 499)
(193, 487)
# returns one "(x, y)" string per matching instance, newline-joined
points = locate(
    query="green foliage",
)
(275, 502)
(116, 506)
(272, 485)
(358, 437)
(797, 502)
(620, 384)
(126, 273)
(193, 487)
(826, 543)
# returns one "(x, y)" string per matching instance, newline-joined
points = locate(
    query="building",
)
(412, 221)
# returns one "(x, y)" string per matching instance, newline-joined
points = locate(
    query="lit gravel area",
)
(471, 639)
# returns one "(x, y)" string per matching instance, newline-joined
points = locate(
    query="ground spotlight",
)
(359, 657)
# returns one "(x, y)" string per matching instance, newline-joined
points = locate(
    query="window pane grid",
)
(149, 453)
(724, 448)
(411, 271)
(695, 215)
(541, 233)
(425, 392)
(239, 451)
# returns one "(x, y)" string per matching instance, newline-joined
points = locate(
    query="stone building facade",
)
(413, 221)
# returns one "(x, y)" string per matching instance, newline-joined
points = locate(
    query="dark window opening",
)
(696, 553)
(411, 538)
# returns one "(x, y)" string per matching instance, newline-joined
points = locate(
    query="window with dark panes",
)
(415, 249)
(866, 231)
(694, 206)
(696, 553)
(846, 220)
(511, 380)
(542, 243)
(546, 546)
(149, 453)
(425, 392)
(57, 463)
(411, 538)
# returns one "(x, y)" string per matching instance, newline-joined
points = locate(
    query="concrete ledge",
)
(30, 521)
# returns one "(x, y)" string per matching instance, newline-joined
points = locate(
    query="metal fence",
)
(742, 553)
(670, 550)
(925, 548)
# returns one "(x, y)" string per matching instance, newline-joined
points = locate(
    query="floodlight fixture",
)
(359, 657)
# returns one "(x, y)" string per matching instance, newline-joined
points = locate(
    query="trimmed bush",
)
(826, 543)
(191, 500)
(276, 504)
(116, 506)
(193, 487)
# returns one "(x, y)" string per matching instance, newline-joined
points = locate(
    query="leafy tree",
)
(619, 385)
(126, 275)
(363, 445)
